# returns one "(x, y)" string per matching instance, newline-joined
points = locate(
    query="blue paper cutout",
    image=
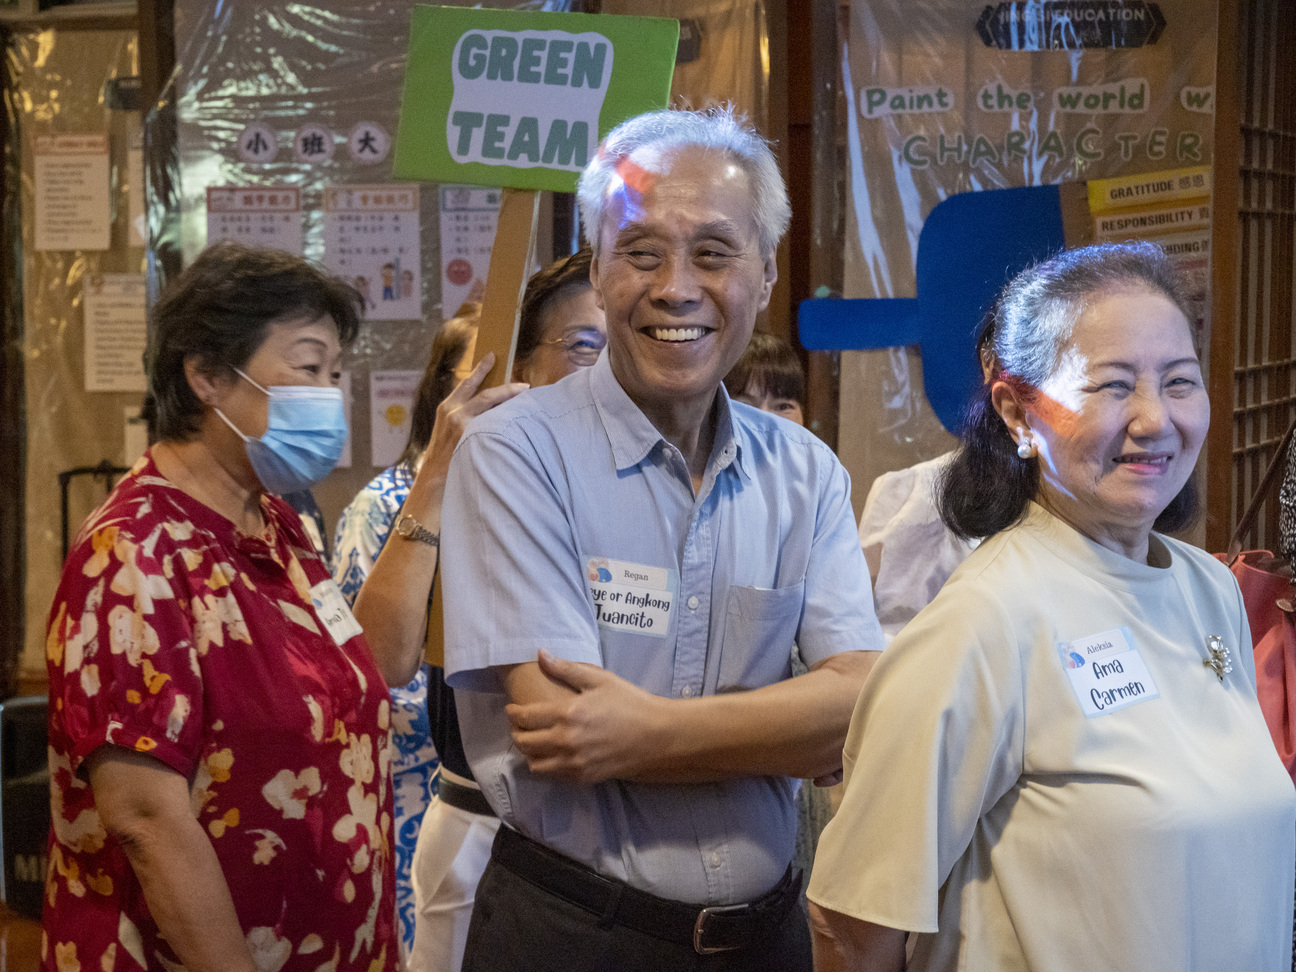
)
(970, 246)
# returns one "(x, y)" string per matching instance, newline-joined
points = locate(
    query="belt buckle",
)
(699, 929)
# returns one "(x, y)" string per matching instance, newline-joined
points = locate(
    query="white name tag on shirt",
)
(334, 611)
(630, 597)
(1107, 672)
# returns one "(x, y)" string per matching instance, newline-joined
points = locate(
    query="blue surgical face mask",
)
(303, 440)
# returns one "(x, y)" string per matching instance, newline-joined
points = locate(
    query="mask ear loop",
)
(241, 374)
(224, 418)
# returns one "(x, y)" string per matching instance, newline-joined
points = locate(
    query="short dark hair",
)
(772, 365)
(219, 311)
(541, 290)
(438, 381)
(986, 488)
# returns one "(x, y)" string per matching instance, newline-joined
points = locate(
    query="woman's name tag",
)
(333, 610)
(1107, 672)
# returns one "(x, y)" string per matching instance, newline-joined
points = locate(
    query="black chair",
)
(24, 803)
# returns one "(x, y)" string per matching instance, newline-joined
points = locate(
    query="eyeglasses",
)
(581, 347)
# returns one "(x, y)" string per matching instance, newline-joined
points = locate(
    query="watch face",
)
(405, 526)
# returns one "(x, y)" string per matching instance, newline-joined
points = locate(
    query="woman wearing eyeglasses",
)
(562, 328)
(442, 847)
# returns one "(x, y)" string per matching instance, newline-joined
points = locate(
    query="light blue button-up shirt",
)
(570, 524)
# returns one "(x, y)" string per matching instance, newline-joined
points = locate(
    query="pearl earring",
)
(1025, 449)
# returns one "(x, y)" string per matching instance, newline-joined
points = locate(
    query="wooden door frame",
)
(1225, 194)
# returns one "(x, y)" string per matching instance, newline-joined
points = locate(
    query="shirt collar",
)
(730, 437)
(632, 436)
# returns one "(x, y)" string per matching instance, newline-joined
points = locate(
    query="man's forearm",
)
(794, 728)
(582, 723)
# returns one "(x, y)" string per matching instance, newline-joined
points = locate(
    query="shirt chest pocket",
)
(760, 627)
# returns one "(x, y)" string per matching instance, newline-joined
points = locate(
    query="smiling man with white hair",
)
(629, 558)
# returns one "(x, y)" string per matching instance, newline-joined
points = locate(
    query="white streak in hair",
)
(652, 158)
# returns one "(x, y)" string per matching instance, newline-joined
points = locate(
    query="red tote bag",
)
(1270, 599)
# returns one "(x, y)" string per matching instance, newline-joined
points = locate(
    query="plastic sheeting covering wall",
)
(286, 65)
(56, 87)
(933, 109)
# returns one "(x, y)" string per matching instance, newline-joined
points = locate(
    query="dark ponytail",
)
(986, 487)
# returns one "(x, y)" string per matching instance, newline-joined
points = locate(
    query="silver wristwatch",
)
(412, 529)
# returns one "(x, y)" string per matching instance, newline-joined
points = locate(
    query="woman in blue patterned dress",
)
(362, 533)
(561, 330)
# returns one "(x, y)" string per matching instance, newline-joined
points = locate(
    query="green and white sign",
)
(521, 99)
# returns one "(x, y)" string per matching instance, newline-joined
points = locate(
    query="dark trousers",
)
(518, 926)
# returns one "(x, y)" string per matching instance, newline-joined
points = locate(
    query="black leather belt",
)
(462, 797)
(707, 929)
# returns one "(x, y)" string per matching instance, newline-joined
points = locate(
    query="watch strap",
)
(411, 529)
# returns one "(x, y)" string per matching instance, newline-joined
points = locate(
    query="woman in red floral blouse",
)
(218, 730)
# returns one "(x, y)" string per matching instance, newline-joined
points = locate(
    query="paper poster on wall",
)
(1169, 207)
(1028, 94)
(371, 239)
(137, 228)
(115, 332)
(469, 215)
(73, 209)
(135, 437)
(391, 403)
(263, 216)
(950, 97)
(344, 382)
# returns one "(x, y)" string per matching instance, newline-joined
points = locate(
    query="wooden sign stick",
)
(510, 268)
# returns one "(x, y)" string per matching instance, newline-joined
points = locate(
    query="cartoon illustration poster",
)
(371, 239)
(469, 215)
(258, 216)
(391, 404)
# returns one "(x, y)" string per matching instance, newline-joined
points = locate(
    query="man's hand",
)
(596, 730)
